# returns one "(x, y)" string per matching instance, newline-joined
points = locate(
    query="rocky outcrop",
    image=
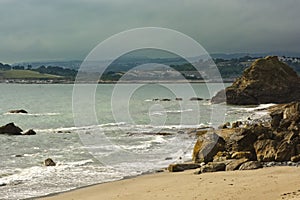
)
(10, 129)
(248, 146)
(267, 80)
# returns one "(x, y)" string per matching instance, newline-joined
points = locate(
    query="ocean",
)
(107, 139)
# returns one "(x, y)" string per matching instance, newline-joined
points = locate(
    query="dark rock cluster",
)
(12, 129)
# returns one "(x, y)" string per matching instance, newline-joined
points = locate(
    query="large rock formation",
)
(267, 80)
(249, 145)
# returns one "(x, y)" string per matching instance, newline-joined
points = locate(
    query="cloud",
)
(62, 29)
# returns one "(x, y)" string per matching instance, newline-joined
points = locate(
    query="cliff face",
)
(267, 80)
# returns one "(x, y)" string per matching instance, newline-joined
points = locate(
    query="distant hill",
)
(25, 74)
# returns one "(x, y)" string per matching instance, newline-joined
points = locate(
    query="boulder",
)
(225, 125)
(178, 99)
(30, 132)
(267, 80)
(207, 146)
(10, 129)
(18, 111)
(251, 165)
(236, 124)
(235, 164)
(276, 116)
(295, 158)
(213, 167)
(241, 140)
(285, 151)
(182, 166)
(221, 156)
(265, 150)
(49, 162)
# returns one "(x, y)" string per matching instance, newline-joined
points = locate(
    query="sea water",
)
(124, 141)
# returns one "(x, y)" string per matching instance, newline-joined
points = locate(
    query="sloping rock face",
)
(267, 80)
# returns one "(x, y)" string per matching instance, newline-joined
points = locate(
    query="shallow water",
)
(122, 142)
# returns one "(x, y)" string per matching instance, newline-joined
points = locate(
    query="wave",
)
(170, 112)
(81, 128)
(34, 114)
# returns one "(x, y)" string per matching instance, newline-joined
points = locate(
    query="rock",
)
(182, 166)
(295, 158)
(165, 99)
(236, 124)
(267, 80)
(277, 116)
(265, 150)
(220, 97)
(207, 147)
(235, 164)
(242, 154)
(251, 165)
(223, 126)
(2, 184)
(196, 99)
(163, 134)
(178, 99)
(30, 132)
(242, 140)
(18, 111)
(49, 162)
(213, 167)
(221, 156)
(285, 151)
(10, 129)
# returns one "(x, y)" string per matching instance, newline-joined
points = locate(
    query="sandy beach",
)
(267, 183)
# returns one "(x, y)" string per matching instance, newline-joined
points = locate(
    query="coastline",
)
(266, 183)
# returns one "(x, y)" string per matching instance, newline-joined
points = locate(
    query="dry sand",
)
(268, 183)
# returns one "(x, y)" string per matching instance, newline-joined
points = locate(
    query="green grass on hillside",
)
(25, 74)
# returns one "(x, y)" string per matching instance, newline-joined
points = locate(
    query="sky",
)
(36, 30)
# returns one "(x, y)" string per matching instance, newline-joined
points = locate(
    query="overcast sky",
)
(69, 29)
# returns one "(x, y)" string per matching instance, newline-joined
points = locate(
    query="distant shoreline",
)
(108, 82)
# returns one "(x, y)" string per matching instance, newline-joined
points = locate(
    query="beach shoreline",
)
(266, 183)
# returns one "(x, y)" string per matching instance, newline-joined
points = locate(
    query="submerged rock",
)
(267, 80)
(18, 111)
(49, 162)
(196, 99)
(30, 132)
